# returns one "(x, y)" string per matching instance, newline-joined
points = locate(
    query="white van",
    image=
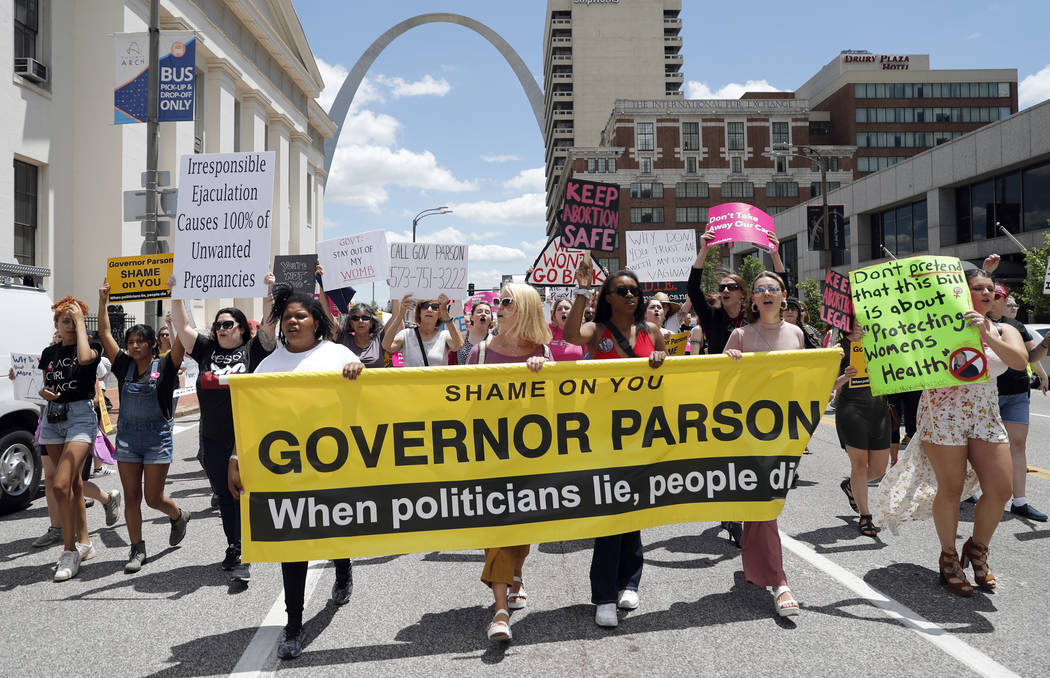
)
(28, 328)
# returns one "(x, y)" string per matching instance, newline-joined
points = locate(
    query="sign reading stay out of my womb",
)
(428, 270)
(351, 260)
(222, 229)
(661, 256)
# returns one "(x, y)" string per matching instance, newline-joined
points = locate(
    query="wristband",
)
(233, 457)
(585, 292)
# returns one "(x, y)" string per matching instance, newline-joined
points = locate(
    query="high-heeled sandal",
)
(847, 488)
(787, 607)
(974, 553)
(952, 574)
(517, 600)
(867, 526)
(499, 630)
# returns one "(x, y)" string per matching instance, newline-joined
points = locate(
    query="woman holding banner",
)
(766, 331)
(428, 343)
(479, 325)
(960, 442)
(523, 338)
(562, 350)
(619, 330)
(654, 313)
(304, 331)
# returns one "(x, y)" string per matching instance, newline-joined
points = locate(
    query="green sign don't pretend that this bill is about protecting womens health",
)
(916, 336)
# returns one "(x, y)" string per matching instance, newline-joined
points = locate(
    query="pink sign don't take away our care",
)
(739, 222)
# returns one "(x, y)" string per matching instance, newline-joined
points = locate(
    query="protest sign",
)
(675, 291)
(916, 335)
(1046, 279)
(298, 270)
(859, 363)
(222, 239)
(589, 215)
(739, 222)
(836, 306)
(428, 270)
(661, 256)
(178, 72)
(353, 260)
(556, 265)
(28, 377)
(139, 278)
(416, 459)
(677, 343)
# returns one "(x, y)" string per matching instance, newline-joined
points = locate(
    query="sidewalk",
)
(187, 405)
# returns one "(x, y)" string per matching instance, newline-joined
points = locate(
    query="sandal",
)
(847, 488)
(867, 526)
(499, 630)
(785, 608)
(976, 554)
(735, 532)
(517, 600)
(952, 574)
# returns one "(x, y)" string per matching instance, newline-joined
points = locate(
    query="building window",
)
(831, 162)
(690, 215)
(646, 191)
(782, 189)
(690, 136)
(1036, 191)
(690, 164)
(736, 165)
(645, 140)
(789, 255)
(646, 165)
(26, 192)
(27, 27)
(902, 230)
(936, 90)
(592, 165)
(814, 188)
(691, 189)
(647, 215)
(780, 165)
(819, 127)
(738, 189)
(735, 136)
(609, 264)
(876, 163)
(611, 164)
(601, 165)
(780, 133)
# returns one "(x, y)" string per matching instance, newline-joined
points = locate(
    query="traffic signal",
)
(470, 289)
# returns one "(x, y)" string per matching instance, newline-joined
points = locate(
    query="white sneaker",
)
(628, 600)
(605, 615)
(86, 551)
(68, 565)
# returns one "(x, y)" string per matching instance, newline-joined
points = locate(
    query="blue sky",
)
(442, 120)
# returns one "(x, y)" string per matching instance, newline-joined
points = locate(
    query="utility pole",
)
(149, 225)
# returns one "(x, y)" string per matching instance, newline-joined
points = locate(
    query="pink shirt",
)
(756, 338)
(562, 350)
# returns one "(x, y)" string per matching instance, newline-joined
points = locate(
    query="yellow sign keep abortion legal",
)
(139, 278)
(428, 459)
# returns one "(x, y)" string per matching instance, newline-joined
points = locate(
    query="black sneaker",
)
(1028, 512)
(178, 528)
(291, 645)
(214, 500)
(136, 558)
(233, 557)
(341, 594)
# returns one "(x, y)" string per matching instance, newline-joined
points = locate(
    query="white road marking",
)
(259, 657)
(1036, 414)
(970, 656)
(179, 428)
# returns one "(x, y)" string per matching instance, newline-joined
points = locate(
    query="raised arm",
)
(85, 354)
(455, 340)
(774, 254)
(391, 342)
(322, 297)
(576, 331)
(105, 332)
(268, 326)
(185, 332)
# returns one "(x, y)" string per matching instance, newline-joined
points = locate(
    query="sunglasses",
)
(163, 335)
(733, 287)
(224, 325)
(762, 289)
(505, 302)
(430, 305)
(998, 296)
(624, 290)
(360, 318)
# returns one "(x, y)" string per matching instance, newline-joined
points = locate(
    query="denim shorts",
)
(80, 426)
(144, 443)
(1014, 408)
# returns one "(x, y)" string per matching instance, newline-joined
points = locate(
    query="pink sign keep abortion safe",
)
(739, 222)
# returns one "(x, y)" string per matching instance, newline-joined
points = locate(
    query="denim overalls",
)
(144, 434)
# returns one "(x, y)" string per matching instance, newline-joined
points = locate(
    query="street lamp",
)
(428, 213)
(810, 153)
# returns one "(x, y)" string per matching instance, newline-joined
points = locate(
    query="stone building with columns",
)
(257, 85)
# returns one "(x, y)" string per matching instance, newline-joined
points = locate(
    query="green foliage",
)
(750, 267)
(713, 271)
(1032, 295)
(809, 291)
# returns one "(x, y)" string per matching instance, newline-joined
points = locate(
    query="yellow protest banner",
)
(677, 342)
(105, 421)
(139, 278)
(426, 459)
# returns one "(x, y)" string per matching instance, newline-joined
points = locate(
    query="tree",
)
(1032, 295)
(713, 270)
(812, 297)
(750, 267)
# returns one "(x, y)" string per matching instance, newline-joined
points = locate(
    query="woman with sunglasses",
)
(363, 335)
(479, 325)
(619, 330)
(766, 332)
(229, 348)
(428, 343)
(960, 434)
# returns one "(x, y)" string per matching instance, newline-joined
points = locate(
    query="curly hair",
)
(283, 297)
(65, 304)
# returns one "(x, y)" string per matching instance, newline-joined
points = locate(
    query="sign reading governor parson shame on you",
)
(222, 229)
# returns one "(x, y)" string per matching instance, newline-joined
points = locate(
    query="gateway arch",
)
(353, 80)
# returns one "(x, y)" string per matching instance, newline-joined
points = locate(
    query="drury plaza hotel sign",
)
(887, 62)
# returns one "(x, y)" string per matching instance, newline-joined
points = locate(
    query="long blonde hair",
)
(528, 322)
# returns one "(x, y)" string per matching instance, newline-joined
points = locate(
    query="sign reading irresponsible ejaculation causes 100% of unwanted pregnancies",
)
(916, 335)
(222, 229)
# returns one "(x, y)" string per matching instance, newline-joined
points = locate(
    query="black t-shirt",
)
(1014, 381)
(64, 375)
(215, 403)
(166, 383)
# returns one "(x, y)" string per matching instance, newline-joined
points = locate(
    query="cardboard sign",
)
(590, 214)
(297, 270)
(28, 377)
(739, 222)
(428, 270)
(139, 278)
(837, 308)
(916, 335)
(1046, 279)
(859, 363)
(677, 343)
(351, 261)
(661, 256)
(557, 266)
(222, 239)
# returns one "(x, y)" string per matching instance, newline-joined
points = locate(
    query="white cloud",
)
(499, 158)
(448, 234)
(526, 210)
(527, 180)
(701, 90)
(366, 127)
(973, 36)
(428, 85)
(364, 171)
(495, 253)
(333, 76)
(1034, 88)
